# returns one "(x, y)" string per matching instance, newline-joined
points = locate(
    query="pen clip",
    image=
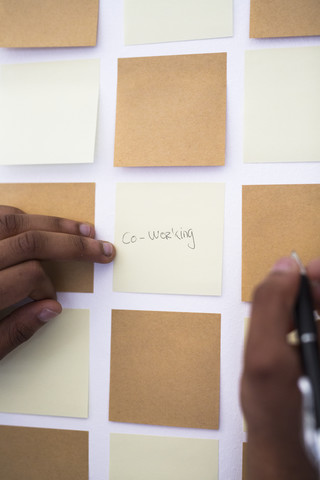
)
(310, 433)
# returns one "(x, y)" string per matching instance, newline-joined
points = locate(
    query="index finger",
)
(37, 245)
(4, 209)
(13, 222)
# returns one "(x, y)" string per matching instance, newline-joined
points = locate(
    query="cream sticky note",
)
(48, 112)
(169, 238)
(43, 453)
(282, 105)
(145, 457)
(49, 374)
(284, 18)
(49, 23)
(153, 21)
(277, 219)
(171, 111)
(165, 368)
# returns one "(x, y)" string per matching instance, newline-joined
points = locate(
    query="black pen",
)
(307, 331)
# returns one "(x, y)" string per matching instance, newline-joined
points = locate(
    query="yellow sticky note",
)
(145, 457)
(48, 23)
(49, 374)
(153, 21)
(282, 105)
(43, 453)
(284, 18)
(277, 219)
(165, 368)
(244, 461)
(171, 111)
(48, 112)
(169, 238)
(75, 201)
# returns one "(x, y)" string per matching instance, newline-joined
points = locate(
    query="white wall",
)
(111, 46)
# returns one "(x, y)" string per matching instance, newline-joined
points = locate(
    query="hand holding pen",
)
(305, 322)
(271, 399)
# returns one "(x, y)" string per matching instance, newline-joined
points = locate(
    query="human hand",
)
(25, 240)
(270, 397)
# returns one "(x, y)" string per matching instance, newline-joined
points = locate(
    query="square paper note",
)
(277, 219)
(48, 23)
(49, 374)
(171, 111)
(42, 453)
(282, 105)
(169, 238)
(75, 201)
(165, 368)
(284, 18)
(48, 112)
(142, 457)
(153, 21)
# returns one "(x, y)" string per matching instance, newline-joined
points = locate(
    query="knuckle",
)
(35, 271)
(80, 244)
(29, 243)
(57, 223)
(19, 333)
(10, 224)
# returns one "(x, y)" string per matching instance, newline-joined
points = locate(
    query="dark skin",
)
(270, 397)
(25, 240)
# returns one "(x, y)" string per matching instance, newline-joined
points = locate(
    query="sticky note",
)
(165, 368)
(171, 111)
(43, 453)
(142, 457)
(244, 461)
(154, 21)
(284, 18)
(277, 219)
(169, 238)
(49, 374)
(75, 201)
(282, 105)
(49, 23)
(48, 112)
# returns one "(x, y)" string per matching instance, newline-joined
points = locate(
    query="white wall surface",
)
(110, 46)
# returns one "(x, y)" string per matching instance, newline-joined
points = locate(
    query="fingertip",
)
(49, 311)
(87, 230)
(313, 269)
(285, 265)
(109, 251)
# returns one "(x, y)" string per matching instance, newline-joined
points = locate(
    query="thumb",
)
(21, 324)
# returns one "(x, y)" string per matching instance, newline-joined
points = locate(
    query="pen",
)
(307, 332)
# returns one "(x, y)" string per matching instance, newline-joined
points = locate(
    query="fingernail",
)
(108, 249)
(285, 264)
(85, 229)
(46, 314)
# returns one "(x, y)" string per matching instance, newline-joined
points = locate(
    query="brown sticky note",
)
(41, 453)
(171, 111)
(48, 23)
(68, 200)
(244, 461)
(165, 368)
(284, 18)
(277, 219)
